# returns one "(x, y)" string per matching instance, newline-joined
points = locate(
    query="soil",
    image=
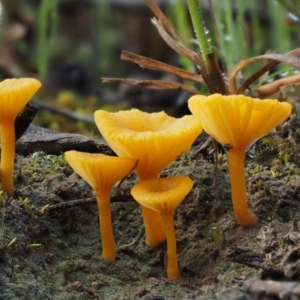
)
(54, 252)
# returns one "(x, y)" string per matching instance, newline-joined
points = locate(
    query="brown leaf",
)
(288, 58)
(274, 87)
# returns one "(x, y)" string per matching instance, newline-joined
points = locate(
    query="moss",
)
(71, 245)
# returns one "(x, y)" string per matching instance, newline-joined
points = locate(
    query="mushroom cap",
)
(99, 170)
(155, 139)
(162, 194)
(14, 95)
(238, 120)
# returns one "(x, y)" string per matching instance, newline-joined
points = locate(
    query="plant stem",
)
(210, 71)
(199, 29)
(180, 18)
(47, 22)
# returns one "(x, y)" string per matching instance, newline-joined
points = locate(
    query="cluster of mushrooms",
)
(147, 143)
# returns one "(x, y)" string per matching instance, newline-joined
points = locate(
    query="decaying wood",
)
(24, 119)
(52, 142)
(254, 260)
(246, 257)
(273, 289)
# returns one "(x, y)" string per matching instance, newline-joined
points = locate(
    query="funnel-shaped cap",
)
(155, 139)
(14, 95)
(238, 120)
(162, 194)
(99, 170)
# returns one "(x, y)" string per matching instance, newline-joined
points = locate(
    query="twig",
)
(204, 145)
(113, 199)
(154, 84)
(259, 73)
(255, 76)
(71, 203)
(178, 46)
(165, 21)
(152, 64)
(133, 242)
(64, 112)
(211, 75)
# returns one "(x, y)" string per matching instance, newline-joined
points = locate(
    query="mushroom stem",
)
(153, 227)
(108, 242)
(153, 223)
(172, 266)
(236, 161)
(7, 156)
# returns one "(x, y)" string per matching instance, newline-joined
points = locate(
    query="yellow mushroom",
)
(14, 95)
(163, 195)
(101, 172)
(155, 140)
(236, 121)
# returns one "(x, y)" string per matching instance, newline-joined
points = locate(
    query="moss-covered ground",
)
(56, 253)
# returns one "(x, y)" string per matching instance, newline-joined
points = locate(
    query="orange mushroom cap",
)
(99, 170)
(14, 95)
(162, 194)
(155, 139)
(238, 120)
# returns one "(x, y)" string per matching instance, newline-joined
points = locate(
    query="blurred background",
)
(71, 44)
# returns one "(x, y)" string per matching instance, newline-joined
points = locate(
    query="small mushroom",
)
(236, 121)
(163, 195)
(101, 172)
(155, 140)
(14, 95)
